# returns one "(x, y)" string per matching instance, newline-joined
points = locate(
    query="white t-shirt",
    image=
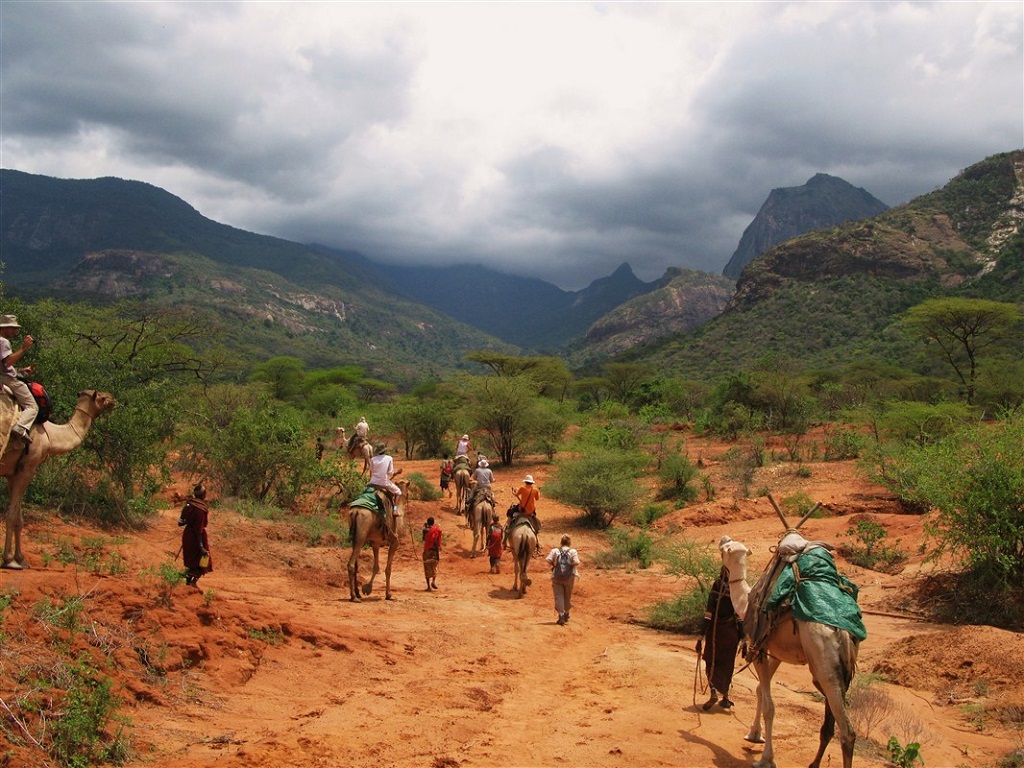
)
(382, 467)
(5, 352)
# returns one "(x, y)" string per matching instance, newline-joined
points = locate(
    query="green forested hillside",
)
(108, 240)
(835, 295)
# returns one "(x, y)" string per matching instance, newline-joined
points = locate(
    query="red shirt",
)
(494, 537)
(432, 538)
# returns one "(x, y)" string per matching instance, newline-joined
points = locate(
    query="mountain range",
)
(822, 294)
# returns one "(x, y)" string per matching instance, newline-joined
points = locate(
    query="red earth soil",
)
(270, 664)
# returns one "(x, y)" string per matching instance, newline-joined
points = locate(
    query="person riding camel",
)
(361, 435)
(9, 375)
(482, 479)
(382, 472)
(527, 507)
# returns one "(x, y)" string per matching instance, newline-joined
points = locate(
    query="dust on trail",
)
(275, 667)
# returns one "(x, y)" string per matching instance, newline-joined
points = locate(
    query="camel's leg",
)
(368, 586)
(754, 734)
(765, 672)
(392, 545)
(12, 540)
(353, 574)
(15, 558)
(828, 729)
(828, 665)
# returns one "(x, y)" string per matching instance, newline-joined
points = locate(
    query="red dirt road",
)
(271, 665)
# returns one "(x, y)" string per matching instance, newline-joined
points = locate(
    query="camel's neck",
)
(67, 437)
(739, 589)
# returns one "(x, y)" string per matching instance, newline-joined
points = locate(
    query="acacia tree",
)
(508, 409)
(624, 379)
(962, 328)
(143, 357)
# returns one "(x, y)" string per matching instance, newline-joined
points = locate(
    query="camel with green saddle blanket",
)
(375, 522)
(800, 611)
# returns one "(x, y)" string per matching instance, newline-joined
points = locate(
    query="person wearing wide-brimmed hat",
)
(9, 329)
(528, 495)
(482, 479)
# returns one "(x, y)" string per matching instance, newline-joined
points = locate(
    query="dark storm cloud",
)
(556, 140)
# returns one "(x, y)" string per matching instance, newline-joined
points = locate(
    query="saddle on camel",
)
(379, 501)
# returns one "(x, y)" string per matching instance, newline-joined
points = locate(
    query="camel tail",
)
(352, 526)
(848, 648)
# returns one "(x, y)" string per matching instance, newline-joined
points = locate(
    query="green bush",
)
(683, 613)
(602, 481)
(634, 547)
(648, 513)
(421, 488)
(678, 476)
(79, 737)
(841, 443)
(904, 756)
(871, 553)
(974, 477)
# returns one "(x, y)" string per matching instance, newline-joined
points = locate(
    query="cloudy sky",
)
(541, 138)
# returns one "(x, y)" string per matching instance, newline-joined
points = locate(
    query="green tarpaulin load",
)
(817, 592)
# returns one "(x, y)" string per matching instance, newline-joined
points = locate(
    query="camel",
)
(339, 440)
(479, 519)
(362, 448)
(366, 527)
(462, 478)
(19, 465)
(523, 543)
(829, 652)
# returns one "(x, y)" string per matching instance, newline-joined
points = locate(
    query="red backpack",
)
(42, 400)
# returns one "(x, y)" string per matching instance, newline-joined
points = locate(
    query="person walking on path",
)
(721, 632)
(195, 545)
(9, 356)
(564, 562)
(447, 468)
(494, 544)
(431, 552)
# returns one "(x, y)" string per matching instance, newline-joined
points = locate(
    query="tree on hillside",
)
(508, 408)
(421, 424)
(283, 376)
(782, 388)
(962, 328)
(552, 375)
(624, 379)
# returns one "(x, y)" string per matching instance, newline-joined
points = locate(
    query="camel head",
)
(734, 557)
(95, 402)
